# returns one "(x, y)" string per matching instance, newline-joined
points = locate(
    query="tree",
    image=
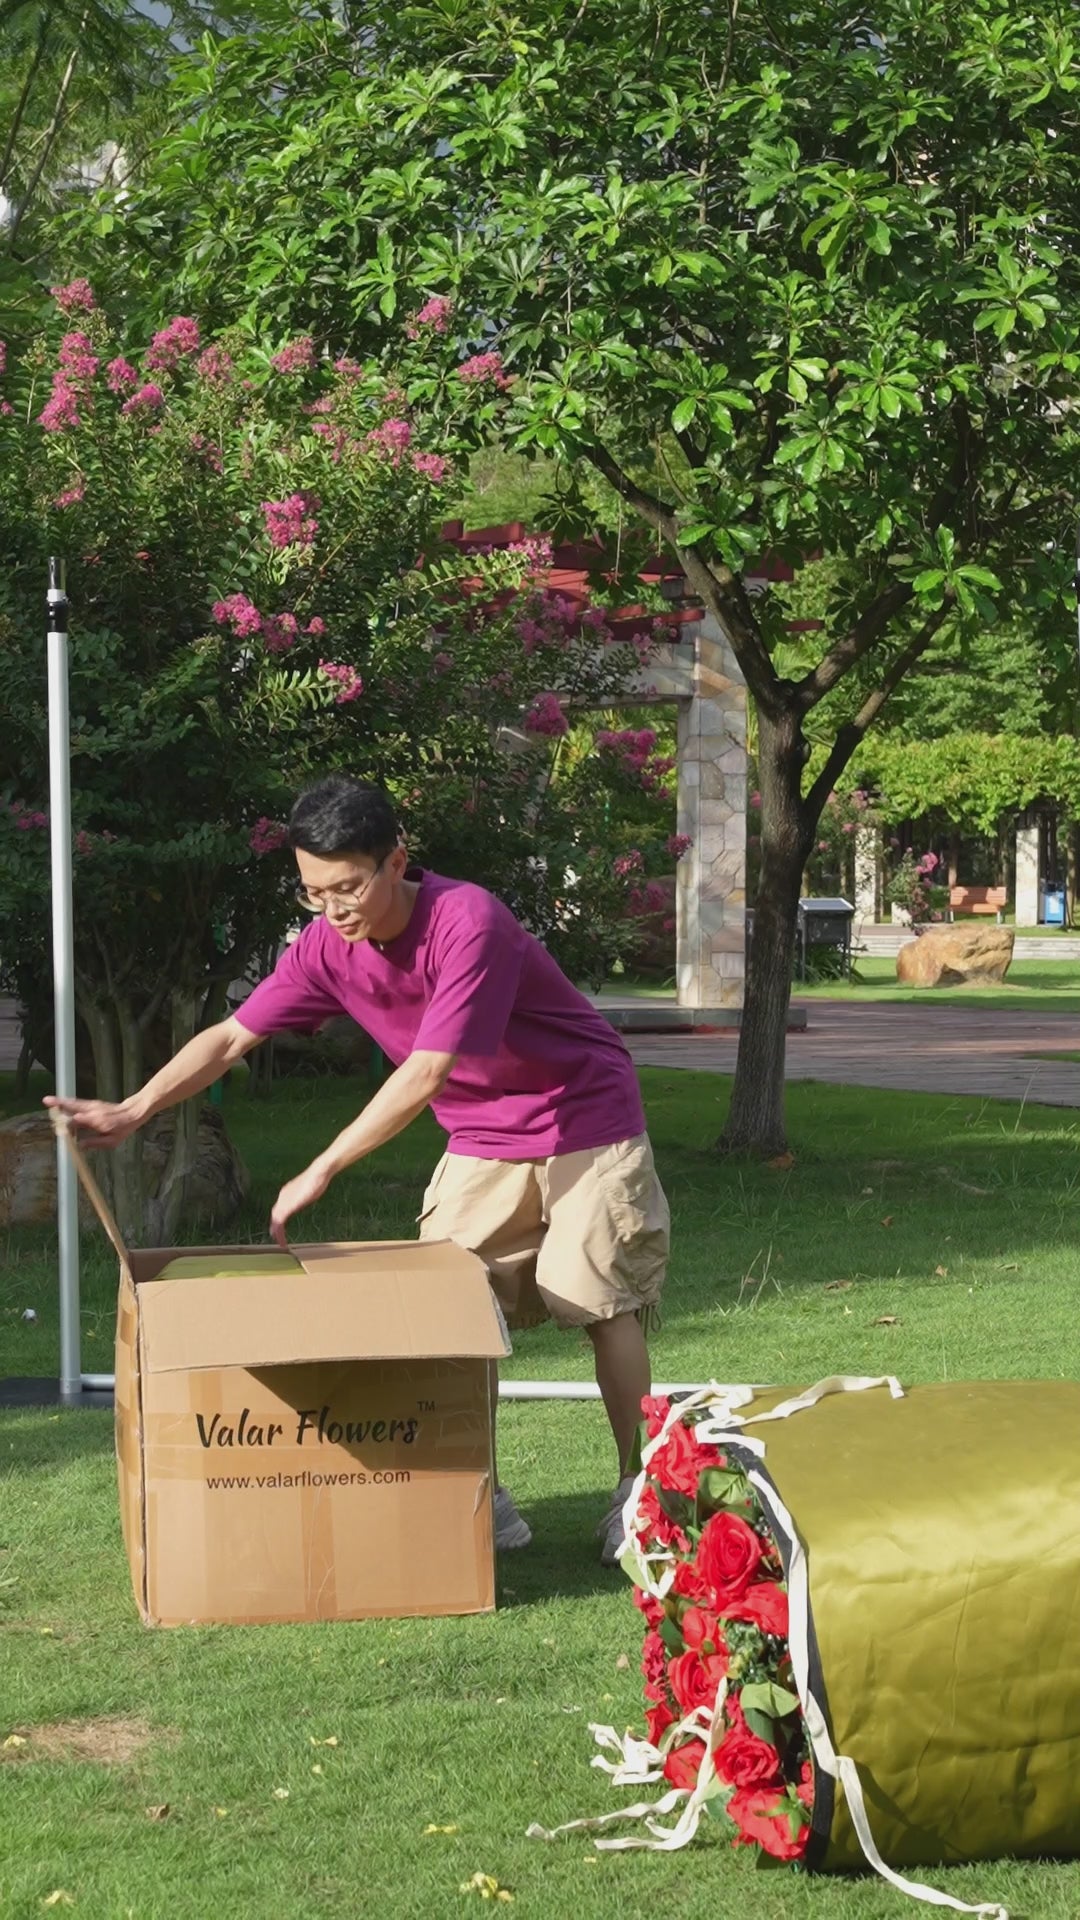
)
(790, 282)
(260, 593)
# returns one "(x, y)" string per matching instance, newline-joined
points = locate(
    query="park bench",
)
(977, 900)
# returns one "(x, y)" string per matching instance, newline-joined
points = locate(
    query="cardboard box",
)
(313, 1444)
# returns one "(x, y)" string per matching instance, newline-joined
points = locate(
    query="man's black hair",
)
(341, 815)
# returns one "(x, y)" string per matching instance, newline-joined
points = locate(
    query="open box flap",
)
(373, 1301)
(63, 1131)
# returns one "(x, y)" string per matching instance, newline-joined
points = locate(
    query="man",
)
(549, 1175)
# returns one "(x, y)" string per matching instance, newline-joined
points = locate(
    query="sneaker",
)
(510, 1529)
(611, 1532)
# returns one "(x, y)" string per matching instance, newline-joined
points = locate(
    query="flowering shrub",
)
(912, 888)
(259, 593)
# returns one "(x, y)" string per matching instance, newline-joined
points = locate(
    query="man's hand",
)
(308, 1187)
(96, 1123)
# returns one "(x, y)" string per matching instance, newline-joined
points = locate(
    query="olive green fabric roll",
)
(942, 1536)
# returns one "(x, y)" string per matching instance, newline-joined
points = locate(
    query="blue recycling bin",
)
(1053, 913)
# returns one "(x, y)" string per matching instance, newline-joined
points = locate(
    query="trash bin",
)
(1053, 907)
(824, 924)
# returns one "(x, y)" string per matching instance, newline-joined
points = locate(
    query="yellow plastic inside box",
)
(218, 1266)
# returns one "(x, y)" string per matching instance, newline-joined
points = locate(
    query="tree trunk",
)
(756, 1119)
(149, 1204)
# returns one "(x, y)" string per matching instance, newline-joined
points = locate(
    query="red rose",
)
(656, 1409)
(805, 1788)
(658, 1719)
(762, 1818)
(688, 1583)
(683, 1764)
(765, 1604)
(729, 1554)
(694, 1681)
(654, 1524)
(745, 1761)
(701, 1630)
(682, 1460)
(650, 1606)
(654, 1666)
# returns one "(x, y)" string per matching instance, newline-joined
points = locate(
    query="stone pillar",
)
(867, 901)
(1027, 875)
(711, 893)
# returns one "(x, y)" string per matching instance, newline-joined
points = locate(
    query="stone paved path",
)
(935, 1049)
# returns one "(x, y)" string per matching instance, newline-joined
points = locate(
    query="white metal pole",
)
(63, 932)
(508, 1389)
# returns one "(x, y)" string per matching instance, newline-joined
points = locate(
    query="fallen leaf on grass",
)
(486, 1885)
(941, 1273)
(838, 1286)
(316, 1769)
(868, 1193)
(332, 1742)
(58, 1898)
(15, 1740)
(281, 1793)
(887, 1320)
(888, 1220)
(221, 1812)
(1013, 1267)
(159, 1813)
(451, 1829)
(622, 1663)
(783, 1162)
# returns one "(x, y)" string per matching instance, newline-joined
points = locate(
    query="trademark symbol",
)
(426, 1406)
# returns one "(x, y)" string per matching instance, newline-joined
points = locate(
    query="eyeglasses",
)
(317, 899)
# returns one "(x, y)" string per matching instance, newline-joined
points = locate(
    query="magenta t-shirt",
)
(538, 1070)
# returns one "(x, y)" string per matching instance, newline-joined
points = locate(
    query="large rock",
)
(957, 956)
(28, 1171)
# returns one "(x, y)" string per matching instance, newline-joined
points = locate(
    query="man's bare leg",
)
(624, 1376)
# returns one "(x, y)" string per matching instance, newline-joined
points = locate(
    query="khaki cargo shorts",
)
(578, 1238)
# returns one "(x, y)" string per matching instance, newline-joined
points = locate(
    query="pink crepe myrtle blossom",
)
(77, 357)
(545, 716)
(148, 399)
(171, 345)
(71, 495)
(280, 631)
(431, 466)
(61, 410)
(627, 863)
(392, 438)
(214, 366)
(316, 627)
(292, 522)
(76, 297)
(6, 407)
(297, 356)
(27, 822)
(927, 865)
(434, 317)
(120, 374)
(239, 613)
(483, 370)
(348, 369)
(266, 836)
(679, 844)
(647, 900)
(347, 678)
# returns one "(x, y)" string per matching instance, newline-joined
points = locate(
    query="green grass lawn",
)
(957, 1218)
(1033, 986)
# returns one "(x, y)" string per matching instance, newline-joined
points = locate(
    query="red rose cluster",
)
(716, 1662)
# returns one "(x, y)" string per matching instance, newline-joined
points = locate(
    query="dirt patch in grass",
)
(109, 1742)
